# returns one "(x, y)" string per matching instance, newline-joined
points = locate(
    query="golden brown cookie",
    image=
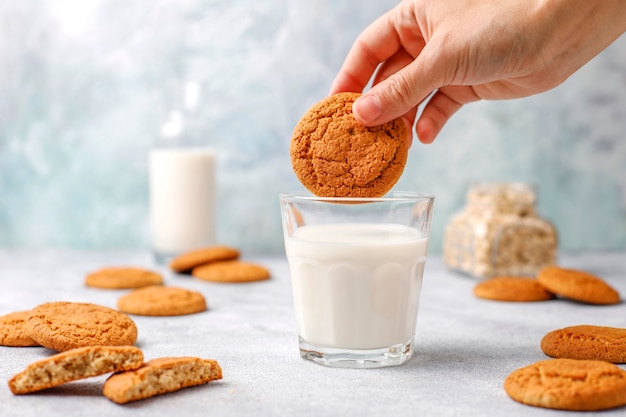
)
(577, 285)
(12, 331)
(231, 271)
(75, 364)
(160, 376)
(333, 155)
(586, 342)
(66, 325)
(122, 278)
(187, 261)
(162, 301)
(568, 384)
(518, 289)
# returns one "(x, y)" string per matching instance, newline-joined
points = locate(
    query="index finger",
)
(377, 43)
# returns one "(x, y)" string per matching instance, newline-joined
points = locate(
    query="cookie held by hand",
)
(333, 155)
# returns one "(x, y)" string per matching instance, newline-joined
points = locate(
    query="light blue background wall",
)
(87, 88)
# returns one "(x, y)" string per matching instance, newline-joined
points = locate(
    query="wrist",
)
(572, 32)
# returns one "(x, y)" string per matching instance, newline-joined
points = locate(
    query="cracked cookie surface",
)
(586, 342)
(12, 330)
(569, 384)
(66, 325)
(333, 155)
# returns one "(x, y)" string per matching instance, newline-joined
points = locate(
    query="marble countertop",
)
(464, 346)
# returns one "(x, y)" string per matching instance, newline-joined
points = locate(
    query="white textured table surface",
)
(465, 347)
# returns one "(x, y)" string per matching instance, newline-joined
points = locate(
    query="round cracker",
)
(231, 271)
(189, 260)
(577, 285)
(122, 278)
(66, 325)
(333, 155)
(568, 384)
(13, 331)
(586, 342)
(516, 289)
(162, 301)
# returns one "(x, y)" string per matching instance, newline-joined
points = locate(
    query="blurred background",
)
(89, 87)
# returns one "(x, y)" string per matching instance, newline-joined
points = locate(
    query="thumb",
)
(401, 92)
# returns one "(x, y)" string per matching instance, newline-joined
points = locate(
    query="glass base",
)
(356, 358)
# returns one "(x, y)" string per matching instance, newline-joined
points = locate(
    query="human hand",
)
(462, 51)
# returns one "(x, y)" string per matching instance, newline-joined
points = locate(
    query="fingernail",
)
(367, 109)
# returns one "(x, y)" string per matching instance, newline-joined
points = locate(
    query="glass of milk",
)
(182, 200)
(356, 269)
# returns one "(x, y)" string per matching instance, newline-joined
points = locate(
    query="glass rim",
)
(392, 196)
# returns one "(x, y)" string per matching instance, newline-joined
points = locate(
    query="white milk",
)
(356, 286)
(182, 200)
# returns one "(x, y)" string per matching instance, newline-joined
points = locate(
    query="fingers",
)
(409, 121)
(440, 108)
(407, 70)
(397, 62)
(403, 90)
(374, 45)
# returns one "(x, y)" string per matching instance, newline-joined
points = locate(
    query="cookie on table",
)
(160, 376)
(516, 289)
(569, 384)
(162, 301)
(577, 285)
(586, 342)
(333, 155)
(75, 364)
(189, 260)
(13, 332)
(64, 325)
(122, 278)
(231, 271)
